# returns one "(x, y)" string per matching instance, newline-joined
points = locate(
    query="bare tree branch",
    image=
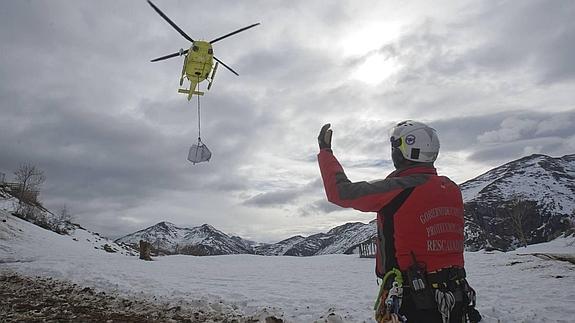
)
(517, 212)
(29, 179)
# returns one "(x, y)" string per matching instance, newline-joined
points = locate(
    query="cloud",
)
(531, 35)
(272, 198)
(524, 133)
(529, 125)
(552, 146)
(511, 130)
(485, 61)
(285, 197)
(479, 143)
(558, 124)
(319, 207)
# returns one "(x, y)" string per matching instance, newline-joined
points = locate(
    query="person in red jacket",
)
(420, 228)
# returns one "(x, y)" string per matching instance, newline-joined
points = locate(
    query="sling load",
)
(199, 152)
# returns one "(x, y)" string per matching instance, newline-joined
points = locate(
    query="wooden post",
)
(367, 249)
(145, 249)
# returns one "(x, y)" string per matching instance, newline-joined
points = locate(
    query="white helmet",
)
(417, 141)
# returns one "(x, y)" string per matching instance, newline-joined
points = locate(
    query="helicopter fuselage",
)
(198, 61)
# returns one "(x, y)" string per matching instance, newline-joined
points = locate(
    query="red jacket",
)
(428, 223)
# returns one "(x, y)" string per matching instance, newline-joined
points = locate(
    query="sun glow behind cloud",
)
(376, 68)
(364, 42)
(363, 39)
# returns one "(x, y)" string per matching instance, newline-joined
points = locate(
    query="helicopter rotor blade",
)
(170, 22)
(229, 68)
(233, 33)
(180, 53)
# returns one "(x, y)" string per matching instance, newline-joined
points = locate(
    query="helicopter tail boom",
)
(191, 91)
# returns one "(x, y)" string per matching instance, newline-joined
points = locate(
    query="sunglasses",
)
(395, 142)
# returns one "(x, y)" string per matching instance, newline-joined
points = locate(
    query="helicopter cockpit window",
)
(210, 51)
(195, 48)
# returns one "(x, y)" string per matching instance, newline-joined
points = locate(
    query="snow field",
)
(510, 287)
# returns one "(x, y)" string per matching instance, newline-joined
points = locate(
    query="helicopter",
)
(198, 60)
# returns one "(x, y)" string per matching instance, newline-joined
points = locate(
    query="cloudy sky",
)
(80, 99)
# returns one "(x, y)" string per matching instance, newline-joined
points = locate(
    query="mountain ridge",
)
(167, 238)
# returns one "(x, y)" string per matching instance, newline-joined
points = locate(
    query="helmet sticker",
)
(410, 139)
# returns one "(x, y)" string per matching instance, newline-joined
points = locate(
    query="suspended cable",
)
(199, 119)
(199, 152)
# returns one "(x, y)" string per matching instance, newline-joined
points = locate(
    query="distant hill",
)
(343, 239)
(203, 240)
(41, 217)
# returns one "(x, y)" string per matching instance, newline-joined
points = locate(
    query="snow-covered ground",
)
(511, 287)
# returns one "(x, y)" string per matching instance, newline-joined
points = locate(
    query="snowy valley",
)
(511, 286)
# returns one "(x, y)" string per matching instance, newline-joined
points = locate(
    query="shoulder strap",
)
(385, 238)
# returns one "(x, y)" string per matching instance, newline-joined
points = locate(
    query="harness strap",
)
(385, 238)
(447, 278)
(471, 295)
(445, 303)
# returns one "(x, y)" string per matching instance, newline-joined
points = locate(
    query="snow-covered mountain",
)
(167, 238)
(203, 240)
(544, 185)
(343, 239)
(279, 248)
(347, 237)
(548, 180)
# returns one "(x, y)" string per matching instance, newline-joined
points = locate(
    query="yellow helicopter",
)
(199, 58)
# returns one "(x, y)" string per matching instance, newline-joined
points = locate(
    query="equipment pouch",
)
(382, 314)
(421, 291)
(383, 311)
(472, 314)
(388, 300)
